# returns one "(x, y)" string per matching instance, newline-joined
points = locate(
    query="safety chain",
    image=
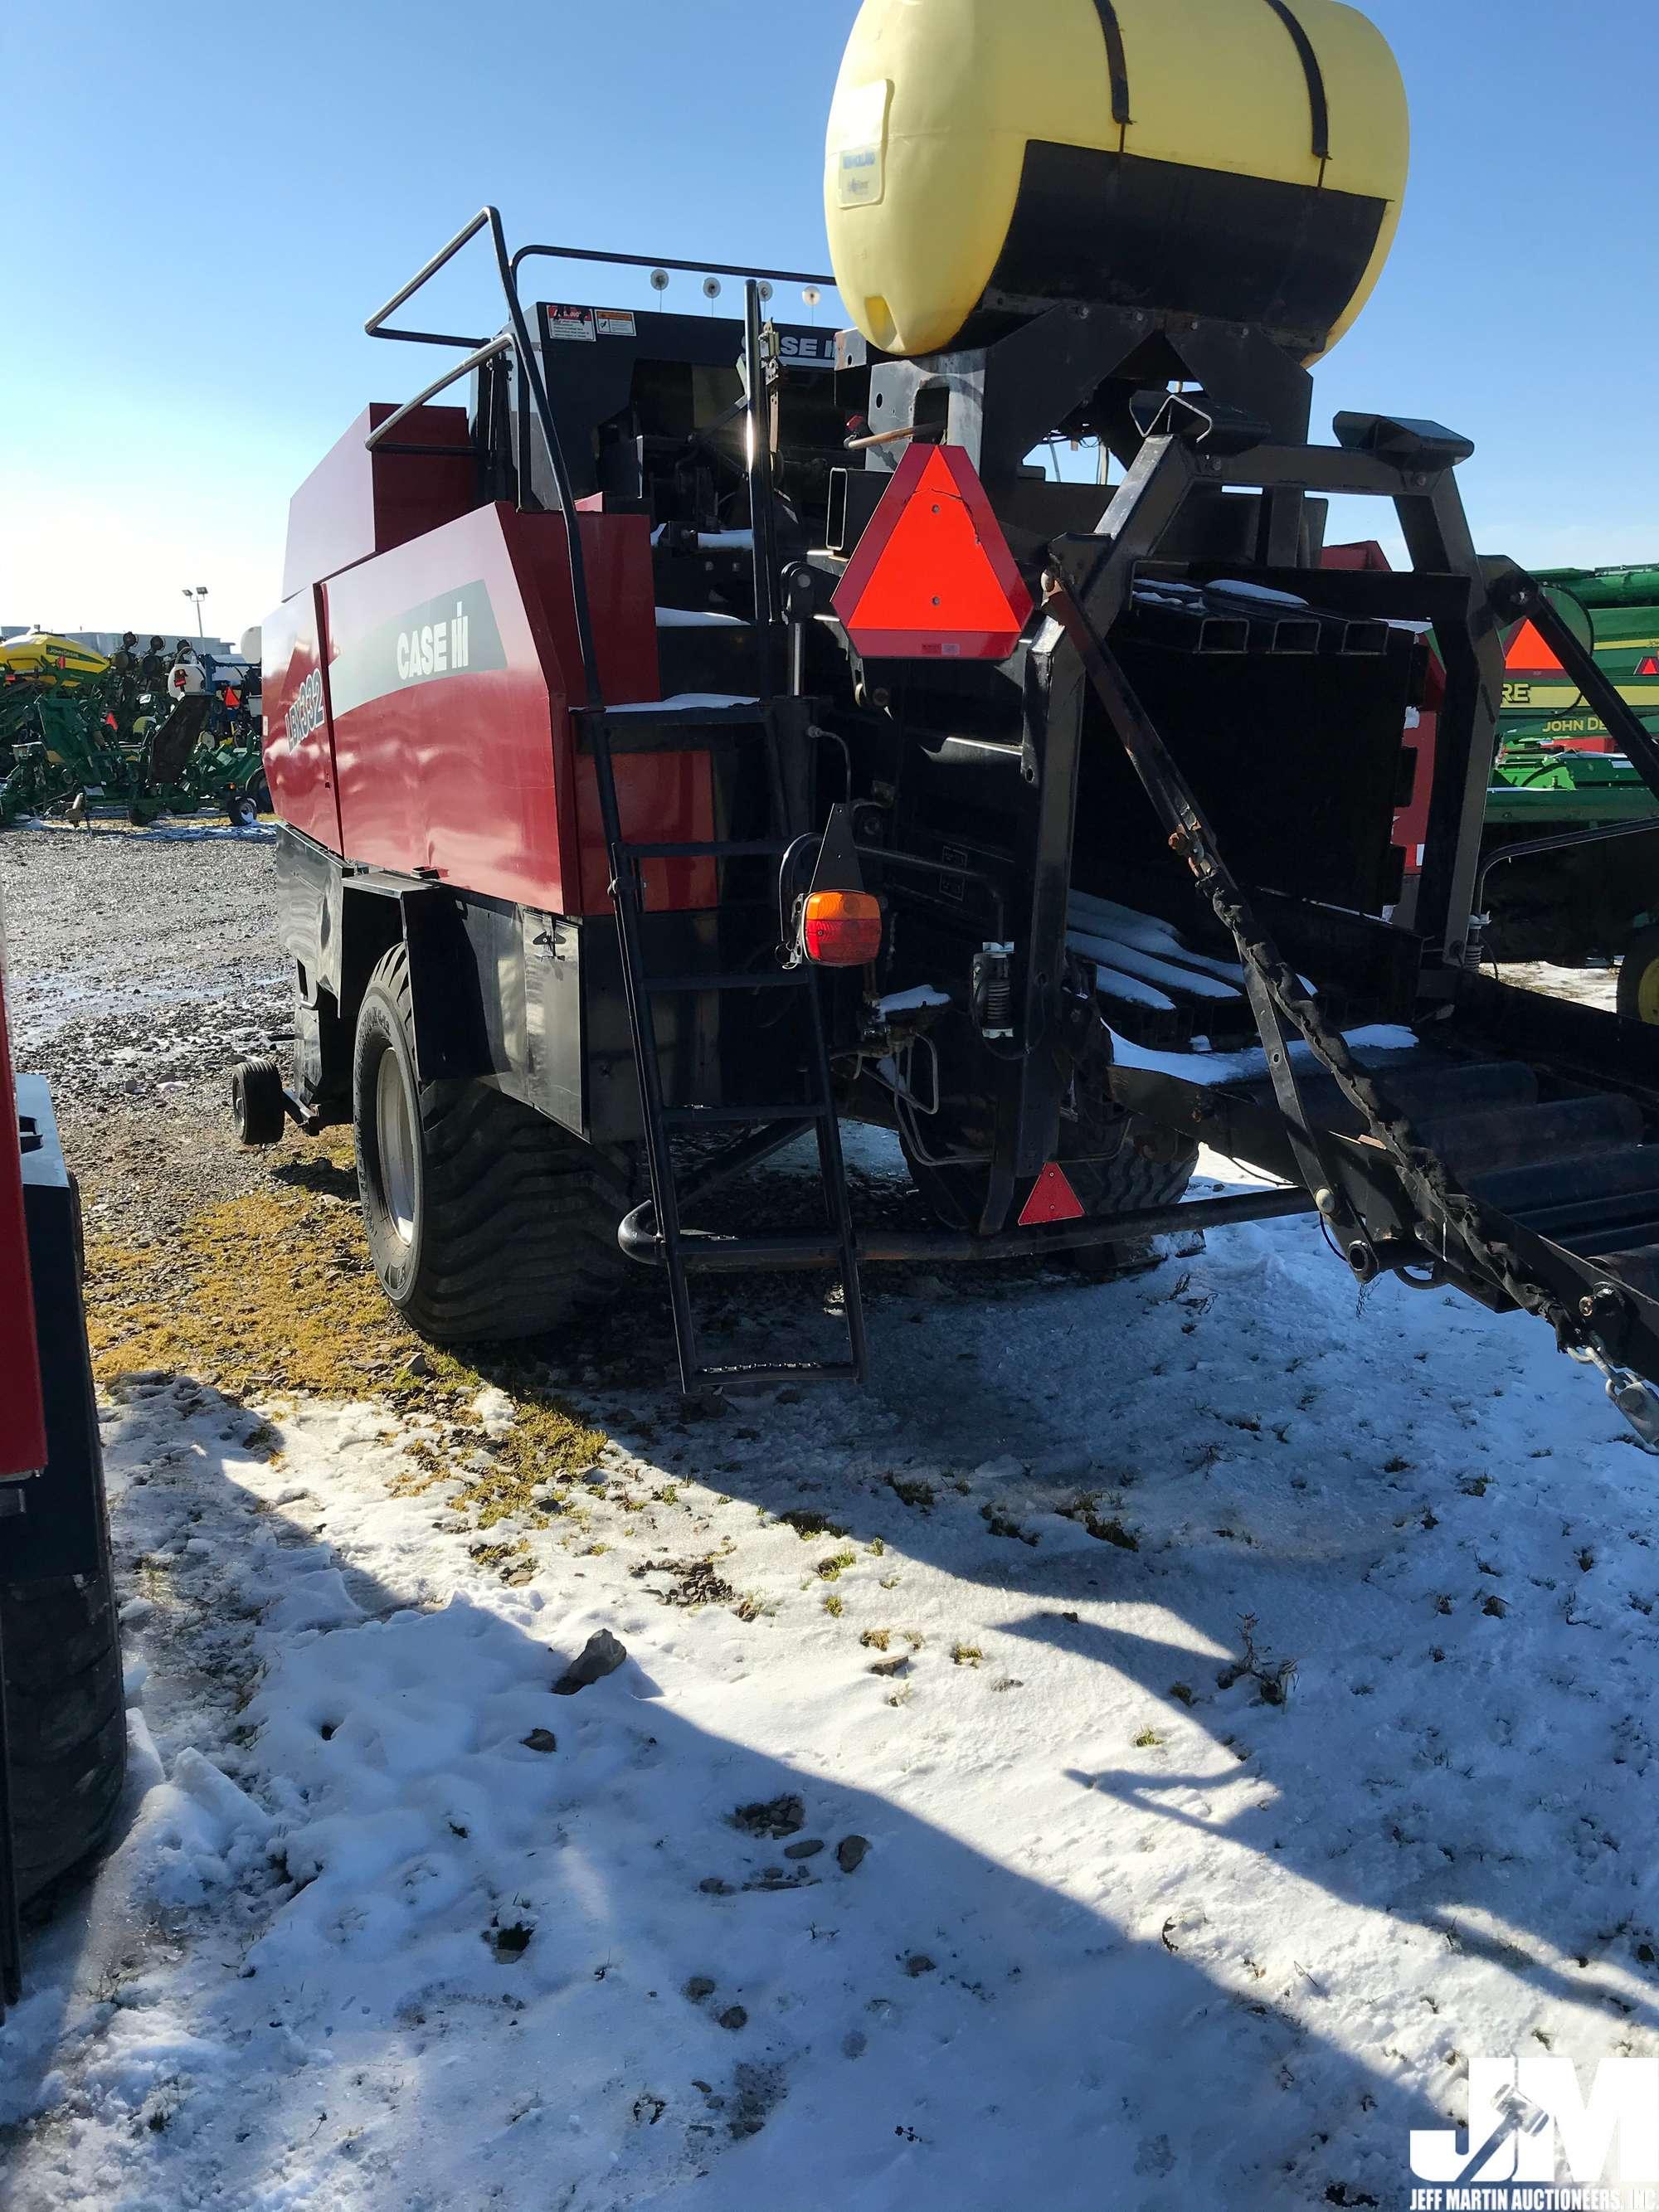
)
(1423, 1175)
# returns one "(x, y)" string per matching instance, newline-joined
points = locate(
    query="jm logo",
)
(1526, 2115)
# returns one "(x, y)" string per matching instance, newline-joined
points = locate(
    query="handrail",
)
(535, 384)
(1527, 848)
(762, 510)
(476, 360)
(373, 329)
(661, 261)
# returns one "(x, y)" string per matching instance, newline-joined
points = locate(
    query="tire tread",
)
(519, 1227)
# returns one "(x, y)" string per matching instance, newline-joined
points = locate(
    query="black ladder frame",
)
(667, 728)
(777, 1122)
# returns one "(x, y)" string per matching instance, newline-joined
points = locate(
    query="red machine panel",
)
(298, 740)
(453, 666)
(354, 502)
(1410, 820)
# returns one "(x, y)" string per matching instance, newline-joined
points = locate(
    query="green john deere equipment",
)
(86, 741)
(1570, 864)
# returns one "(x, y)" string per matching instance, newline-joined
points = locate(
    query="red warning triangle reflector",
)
(1649, 667)
(1052, 1199)
(933, 577)
(1528, 651)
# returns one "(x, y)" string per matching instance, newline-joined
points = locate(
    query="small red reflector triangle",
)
(933, 577)
(1052, 1199)
(1649, 667)
(1528, 650)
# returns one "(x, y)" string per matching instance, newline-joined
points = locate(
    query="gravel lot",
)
(139, 966)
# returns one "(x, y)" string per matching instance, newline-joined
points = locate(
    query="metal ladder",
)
(671, 729)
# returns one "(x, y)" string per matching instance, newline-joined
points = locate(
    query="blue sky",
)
(202, 202)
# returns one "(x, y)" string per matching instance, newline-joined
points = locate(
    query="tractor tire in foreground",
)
(485, 1221)
(66, 1713)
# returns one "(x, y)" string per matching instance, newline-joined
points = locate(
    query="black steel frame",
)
(1445, 586)
(1246, 436)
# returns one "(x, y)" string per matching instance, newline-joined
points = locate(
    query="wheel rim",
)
(394, 1133)
(1647, 992)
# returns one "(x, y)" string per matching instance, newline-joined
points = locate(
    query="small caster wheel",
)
(256, 1099)
(242, 810)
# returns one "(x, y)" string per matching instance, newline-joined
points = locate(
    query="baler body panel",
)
(454, 667)
(356, 503)
(299, 743)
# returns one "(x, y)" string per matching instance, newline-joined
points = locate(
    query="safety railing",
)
(517, 341)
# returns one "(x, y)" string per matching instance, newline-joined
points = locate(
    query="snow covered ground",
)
(1132, 1756)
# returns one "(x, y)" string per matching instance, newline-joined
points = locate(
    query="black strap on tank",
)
(1314, 75)
(1116, 64)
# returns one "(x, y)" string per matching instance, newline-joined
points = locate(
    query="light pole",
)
(198, 595)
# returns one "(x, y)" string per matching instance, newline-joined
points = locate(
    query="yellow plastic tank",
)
(1240, 159)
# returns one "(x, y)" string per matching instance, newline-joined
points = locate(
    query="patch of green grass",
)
(834, 1604)
(271, 1294)
(966, 1654)
(807, 1525)
(1112, 1532)
(919, 1495)
(497, 1555)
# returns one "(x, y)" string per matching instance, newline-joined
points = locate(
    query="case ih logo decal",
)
(305, 710)
(454, 634)
(807, 349)
(439, 648)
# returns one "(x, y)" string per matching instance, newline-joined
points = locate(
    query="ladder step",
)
(761, 849)
(654, 728)
(681, 713)
(839, 1371)
(767, 979)
(764, 1251)
(797, 1110)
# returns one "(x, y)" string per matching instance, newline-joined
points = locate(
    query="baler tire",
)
(1638, 977)
(1126, 1182)
(66, 1714)
(511, 1221)
(1129, 1184)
